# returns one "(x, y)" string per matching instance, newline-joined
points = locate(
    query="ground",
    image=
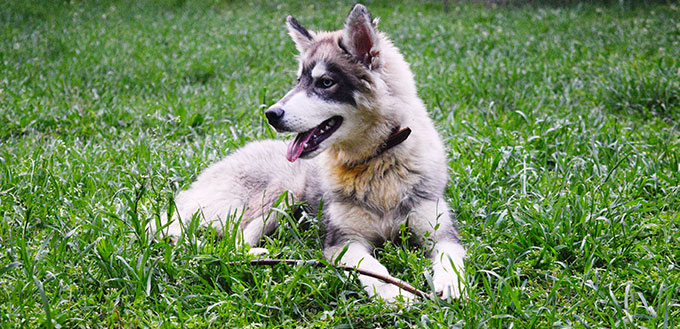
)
(561, 123)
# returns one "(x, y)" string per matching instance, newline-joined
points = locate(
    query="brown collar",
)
(396, 137)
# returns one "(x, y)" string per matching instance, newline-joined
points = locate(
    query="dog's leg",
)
(224, 216)
(358, 254)
(432, 222)
(253, 231)
(219, 214)
(249, 232)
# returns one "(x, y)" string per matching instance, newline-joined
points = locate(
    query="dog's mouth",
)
(308, 142)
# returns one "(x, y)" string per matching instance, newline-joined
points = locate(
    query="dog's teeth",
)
(305, 146)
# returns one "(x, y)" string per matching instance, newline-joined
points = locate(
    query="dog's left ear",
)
(302, 37)
(360, 36)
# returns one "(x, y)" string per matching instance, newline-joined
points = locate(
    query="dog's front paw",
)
(391, 293)
(449, 285)
(258, 251)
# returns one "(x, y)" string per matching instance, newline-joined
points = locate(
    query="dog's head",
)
(339, 80)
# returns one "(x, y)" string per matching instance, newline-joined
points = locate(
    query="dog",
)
(365, 145)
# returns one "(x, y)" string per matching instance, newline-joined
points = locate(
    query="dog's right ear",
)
(360, 36)
(302, 37)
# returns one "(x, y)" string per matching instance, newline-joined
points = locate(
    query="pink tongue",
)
(296, 147)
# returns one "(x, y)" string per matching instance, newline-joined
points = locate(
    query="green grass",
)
(562, 124)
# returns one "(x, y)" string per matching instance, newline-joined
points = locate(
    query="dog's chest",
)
(378, 186)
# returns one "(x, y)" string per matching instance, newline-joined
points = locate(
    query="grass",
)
(562, 123)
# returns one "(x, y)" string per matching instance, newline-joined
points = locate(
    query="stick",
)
(399, 283)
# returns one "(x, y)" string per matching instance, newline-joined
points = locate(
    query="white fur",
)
(304, 112)
(319, 70)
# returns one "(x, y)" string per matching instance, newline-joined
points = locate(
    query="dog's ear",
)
(360, 36)
(303, 38)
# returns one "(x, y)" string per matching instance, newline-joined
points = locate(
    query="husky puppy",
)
(365, 146)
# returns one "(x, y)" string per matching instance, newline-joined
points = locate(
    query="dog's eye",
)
(325, 83)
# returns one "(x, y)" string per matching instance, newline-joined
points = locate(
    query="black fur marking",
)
(420, 192)
(405, 207)
(298, 27)
(341, 92)
(425, 190)
(344, 49)
(452, 234)
(313, 193)
(333, 236)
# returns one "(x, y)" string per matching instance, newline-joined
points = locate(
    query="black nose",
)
(274, 115)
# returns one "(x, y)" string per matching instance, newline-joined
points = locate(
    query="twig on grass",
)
(399, 283)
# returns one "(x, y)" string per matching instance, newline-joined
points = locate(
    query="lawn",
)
(561, 121)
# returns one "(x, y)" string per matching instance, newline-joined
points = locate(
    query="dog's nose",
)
(274, 115)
